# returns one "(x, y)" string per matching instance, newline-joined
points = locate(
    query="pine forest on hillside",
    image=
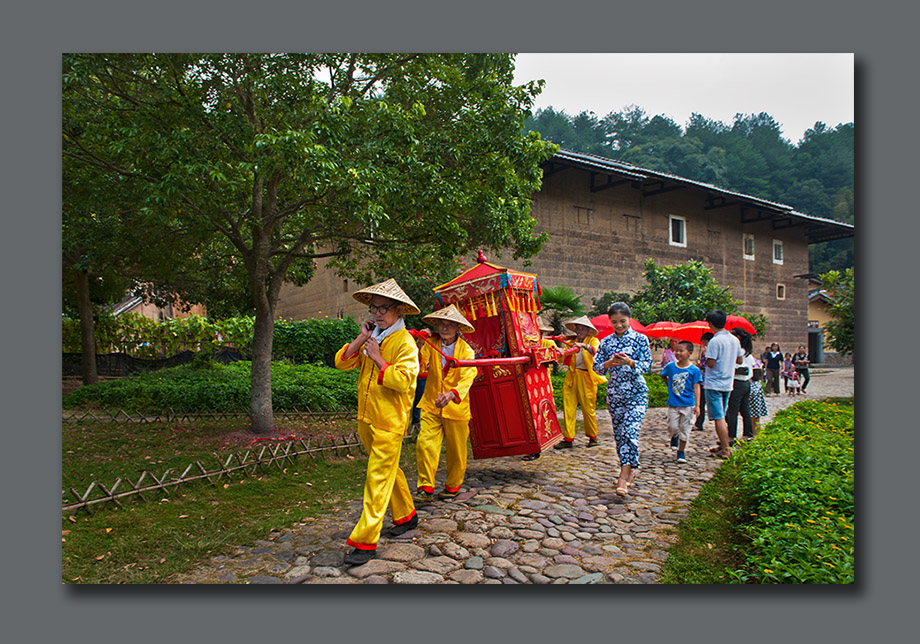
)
(750, 156)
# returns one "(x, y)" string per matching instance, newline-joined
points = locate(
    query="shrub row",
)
(215, 387)
(313, 340)
(206, 386)
(798, 475)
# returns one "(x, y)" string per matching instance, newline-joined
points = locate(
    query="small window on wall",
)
(678, 231)
(780, 291)
(777, 251)
(748, 246)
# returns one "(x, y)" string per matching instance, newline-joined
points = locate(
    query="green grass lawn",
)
(173, 531)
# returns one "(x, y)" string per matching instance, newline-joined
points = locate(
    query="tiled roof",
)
(817, 229)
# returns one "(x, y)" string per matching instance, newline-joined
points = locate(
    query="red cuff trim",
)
(361, 546)
(380, 375)
(427, 488)
(453, 489)
(457, 394)
(404, 519)
(569, 440)
(423, 375)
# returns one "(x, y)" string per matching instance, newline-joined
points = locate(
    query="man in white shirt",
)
(722, 354)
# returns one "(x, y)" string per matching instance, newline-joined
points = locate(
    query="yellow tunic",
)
(384, 404)
(449, 424)
(580, 388)
(385, 396)
(459, 380)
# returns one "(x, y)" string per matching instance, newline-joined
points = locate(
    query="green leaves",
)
(841, 329)
(799, 473)
(684, 293)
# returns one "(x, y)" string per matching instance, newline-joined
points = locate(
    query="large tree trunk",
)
(261, 381)
(87, 329)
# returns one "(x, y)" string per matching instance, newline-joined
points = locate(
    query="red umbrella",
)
(662, 329)
(691, 331)
(603, 326)
(738, 321)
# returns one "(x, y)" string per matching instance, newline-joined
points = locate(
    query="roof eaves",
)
(635, 172)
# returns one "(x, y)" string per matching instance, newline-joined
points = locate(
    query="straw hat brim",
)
(389, 289)
(584, 321)
(451, 314)
(545, 328)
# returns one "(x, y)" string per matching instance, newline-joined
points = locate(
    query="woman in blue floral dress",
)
(623, 357)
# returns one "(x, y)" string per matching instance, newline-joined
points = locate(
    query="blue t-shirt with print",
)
(680, 384)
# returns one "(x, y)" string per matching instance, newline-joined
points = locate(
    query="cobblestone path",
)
(555, 520)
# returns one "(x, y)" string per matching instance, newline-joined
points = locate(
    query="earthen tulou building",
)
(604, 218)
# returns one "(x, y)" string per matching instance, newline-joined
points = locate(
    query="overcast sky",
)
(795, 89)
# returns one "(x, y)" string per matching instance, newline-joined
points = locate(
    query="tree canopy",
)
(684, 293)
(841, 330)
(750, 156)
(259, 164)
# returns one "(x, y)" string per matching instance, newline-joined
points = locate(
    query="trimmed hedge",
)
(314, 340)
(215, 387)
(798, 475)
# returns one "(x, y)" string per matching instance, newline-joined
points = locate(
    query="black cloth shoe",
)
(592, 442)
(357, 557)
(564, 445)
(531, 457)
(402, 528)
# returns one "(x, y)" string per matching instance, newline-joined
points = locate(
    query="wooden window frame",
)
(683, 222)
(744, 240)
(782, 252)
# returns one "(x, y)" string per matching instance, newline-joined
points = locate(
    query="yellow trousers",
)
(577, 389)
(454, 433)
(384, 486)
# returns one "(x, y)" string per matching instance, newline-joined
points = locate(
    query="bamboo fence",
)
(279, 453)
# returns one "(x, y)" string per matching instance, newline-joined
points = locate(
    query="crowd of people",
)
(404, 379)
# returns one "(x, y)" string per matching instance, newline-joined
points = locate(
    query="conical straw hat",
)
(451, 313)
(545, 328)
(388, 289)
(584, 321)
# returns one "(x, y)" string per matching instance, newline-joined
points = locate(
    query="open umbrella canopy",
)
(605, 328)
(691, 331)
(663, 329)
(739, 321)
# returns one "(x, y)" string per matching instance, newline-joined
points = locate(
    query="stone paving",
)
(555, 520)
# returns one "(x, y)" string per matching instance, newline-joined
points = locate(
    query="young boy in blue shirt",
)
(684, 385)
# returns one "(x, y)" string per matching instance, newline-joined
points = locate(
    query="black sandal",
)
(531, 457)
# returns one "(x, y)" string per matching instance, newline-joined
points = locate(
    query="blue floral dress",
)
(627, 392)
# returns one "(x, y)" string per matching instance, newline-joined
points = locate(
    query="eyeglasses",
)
(380, 309)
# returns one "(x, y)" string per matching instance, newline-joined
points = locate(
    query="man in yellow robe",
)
(388, 359)
(445, 404)
(580, 384)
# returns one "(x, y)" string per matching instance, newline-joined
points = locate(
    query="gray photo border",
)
(38, 608)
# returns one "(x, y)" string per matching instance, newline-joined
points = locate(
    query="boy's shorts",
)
(716, 403)
(680, 422)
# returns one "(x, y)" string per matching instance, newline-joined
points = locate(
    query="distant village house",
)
(605, 218)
